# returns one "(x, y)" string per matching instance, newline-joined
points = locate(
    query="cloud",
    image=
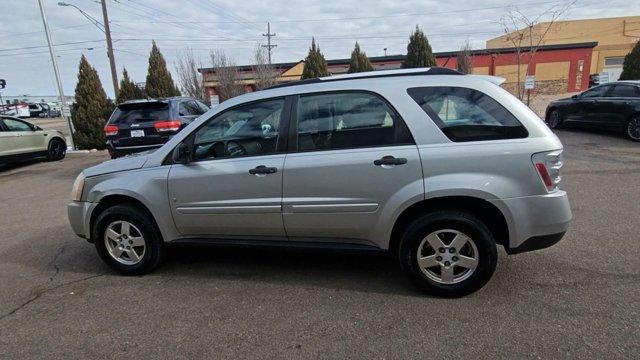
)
(237, 26)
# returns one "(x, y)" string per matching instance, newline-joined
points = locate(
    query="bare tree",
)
(265, 74)
(464, 61)
(229, 82)
(191, 81)
(527, 34)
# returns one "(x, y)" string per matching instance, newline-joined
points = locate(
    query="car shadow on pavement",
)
(354, 271)
(18, 165)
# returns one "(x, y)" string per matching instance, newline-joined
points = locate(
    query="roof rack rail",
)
(373, 74)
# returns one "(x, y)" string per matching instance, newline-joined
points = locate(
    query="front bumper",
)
(77, 211)
(535, 222)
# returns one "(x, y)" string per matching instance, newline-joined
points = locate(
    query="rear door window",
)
(128, 114)
(344, 120)
(624, 91)
(466, 114)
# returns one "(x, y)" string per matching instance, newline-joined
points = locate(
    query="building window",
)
(614, 61)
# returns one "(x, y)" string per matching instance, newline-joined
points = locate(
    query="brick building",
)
(572, 52)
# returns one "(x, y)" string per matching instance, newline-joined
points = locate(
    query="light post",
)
(104, 27)
(63, 101)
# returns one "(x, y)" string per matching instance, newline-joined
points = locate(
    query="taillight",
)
(167, 125)
(111, 130)
(548, 166)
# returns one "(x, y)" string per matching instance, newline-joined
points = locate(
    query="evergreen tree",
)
(314, 64)
(128, 89)
(159, 82)
(91, 110)
(419, 53)
(359, 61)
(631, 66)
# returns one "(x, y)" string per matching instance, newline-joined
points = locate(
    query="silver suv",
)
(430, 165)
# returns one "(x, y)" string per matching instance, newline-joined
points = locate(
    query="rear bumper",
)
(126, 150)
(536, 222)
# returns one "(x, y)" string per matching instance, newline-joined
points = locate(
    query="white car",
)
(20, 140)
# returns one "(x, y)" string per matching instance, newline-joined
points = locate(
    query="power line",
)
(59, 44)
(367, 17)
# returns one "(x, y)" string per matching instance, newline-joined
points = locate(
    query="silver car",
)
(435, 167)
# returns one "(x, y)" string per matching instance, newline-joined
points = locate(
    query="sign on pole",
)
(66, 111)
(529, 82)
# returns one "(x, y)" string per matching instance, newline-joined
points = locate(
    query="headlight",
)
(78, 185)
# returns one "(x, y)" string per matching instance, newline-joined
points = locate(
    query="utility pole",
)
(268, 35)
(112, 60)
(63, 101)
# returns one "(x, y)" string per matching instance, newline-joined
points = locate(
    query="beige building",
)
(615, 37)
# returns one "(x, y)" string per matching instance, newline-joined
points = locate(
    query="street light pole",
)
(112, 60)
(63, 101)
(105, 28)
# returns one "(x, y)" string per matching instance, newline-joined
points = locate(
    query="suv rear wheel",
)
(127, 240)
(448, 253)
(633, 128)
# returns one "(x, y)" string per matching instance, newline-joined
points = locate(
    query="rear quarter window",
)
(466, 114)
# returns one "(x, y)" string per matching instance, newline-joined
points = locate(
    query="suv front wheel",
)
(448, 253)
(127, 240)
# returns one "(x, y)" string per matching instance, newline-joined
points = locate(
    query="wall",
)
(615, 36)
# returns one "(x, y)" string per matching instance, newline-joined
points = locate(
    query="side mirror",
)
(574, 96)
(181, 154)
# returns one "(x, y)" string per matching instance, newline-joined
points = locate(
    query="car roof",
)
(162, 99)
(372, 74)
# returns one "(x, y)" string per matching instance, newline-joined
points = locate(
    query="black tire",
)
(468, 224)
(56, 150)
(155, 250)
(555, 119)
(632, 128)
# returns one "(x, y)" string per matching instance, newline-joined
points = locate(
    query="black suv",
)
(140, 125)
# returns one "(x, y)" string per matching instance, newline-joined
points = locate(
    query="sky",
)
(236, 27)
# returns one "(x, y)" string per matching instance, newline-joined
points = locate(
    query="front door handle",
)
(261, 169)
(390, 160)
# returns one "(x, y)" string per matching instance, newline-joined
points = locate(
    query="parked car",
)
(40, 110)
(141, 125)
(612, 106)
(21, 140)
(431, 165)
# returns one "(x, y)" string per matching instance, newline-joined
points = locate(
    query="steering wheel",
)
(233, 148)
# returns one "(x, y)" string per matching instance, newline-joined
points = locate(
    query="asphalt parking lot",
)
(580, 298)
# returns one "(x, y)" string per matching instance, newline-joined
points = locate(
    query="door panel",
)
(341, 193)
(7, 143)
(220, 197)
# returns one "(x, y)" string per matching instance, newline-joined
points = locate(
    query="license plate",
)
(137, 133)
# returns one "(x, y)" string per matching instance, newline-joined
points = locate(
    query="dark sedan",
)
(612, 106)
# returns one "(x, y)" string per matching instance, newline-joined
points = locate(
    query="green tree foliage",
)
(91, 110)
(359, 61)
(128, 89)
(159, 82)
(631, 66)
(314, 64)
(419, 53)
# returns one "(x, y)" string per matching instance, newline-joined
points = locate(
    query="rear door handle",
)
(261, 169)
(390, 160)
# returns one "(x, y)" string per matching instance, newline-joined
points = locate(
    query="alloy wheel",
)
(554, 119)
(124, 242)
(633, 129)
(447, 256)
(57, 149)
